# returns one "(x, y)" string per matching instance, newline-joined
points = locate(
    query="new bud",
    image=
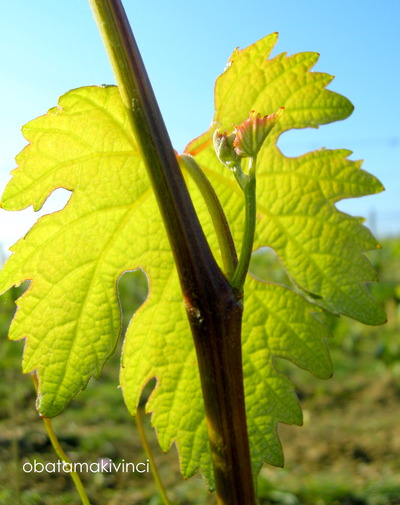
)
(224, 148)
(250, 135)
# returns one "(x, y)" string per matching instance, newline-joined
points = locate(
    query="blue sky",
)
(49, 47)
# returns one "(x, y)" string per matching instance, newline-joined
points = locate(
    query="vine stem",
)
(60, 452)
(149, 454)
(213, 306)
(249, 189)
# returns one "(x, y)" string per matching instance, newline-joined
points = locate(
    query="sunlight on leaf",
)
(70, 315)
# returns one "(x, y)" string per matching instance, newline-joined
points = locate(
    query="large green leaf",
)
(321, 248)
(70, 314)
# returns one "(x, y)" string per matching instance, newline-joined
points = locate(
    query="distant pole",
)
(373, 220)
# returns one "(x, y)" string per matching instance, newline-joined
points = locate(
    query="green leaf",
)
(70, 315)
(277, 323)
(320, 247)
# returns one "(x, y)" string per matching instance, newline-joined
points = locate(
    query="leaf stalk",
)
(60, 452)
(149, 454)
(222, 230)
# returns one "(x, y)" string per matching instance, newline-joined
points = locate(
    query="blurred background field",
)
(347, 452)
